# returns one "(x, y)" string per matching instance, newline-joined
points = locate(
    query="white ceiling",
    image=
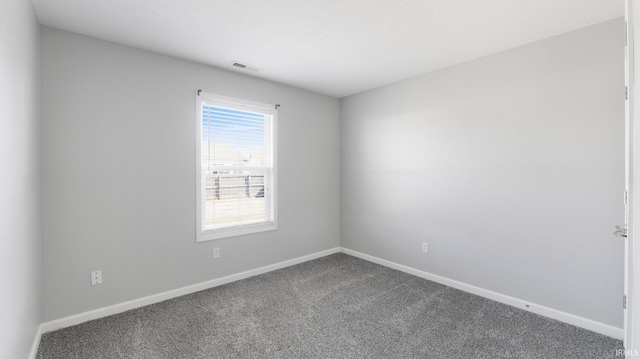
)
(334, 47)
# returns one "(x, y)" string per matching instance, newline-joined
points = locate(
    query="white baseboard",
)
(581, 322)
(575, 320)
(156, 298)
(36, 343)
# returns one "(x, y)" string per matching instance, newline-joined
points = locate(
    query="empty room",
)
(318, 179)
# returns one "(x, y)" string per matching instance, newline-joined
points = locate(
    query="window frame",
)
(202, 234)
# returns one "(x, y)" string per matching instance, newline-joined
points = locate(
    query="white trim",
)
(270, 190)
(630, 298)
(156, 298)
(575, 320)
(36, 343)
(240, 230)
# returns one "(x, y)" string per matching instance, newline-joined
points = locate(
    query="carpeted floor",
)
(333, 307)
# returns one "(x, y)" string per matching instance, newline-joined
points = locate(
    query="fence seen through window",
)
(237, 167)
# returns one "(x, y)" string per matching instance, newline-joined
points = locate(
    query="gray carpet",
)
(333, 307)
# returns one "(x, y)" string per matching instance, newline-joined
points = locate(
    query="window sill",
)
(213, 234)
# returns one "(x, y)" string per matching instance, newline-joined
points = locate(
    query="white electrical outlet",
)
(96, 277)
(216, 253)
(425, 247)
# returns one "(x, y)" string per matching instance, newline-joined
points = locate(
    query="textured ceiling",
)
(334, 47)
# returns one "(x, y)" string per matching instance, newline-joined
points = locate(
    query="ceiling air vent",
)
(244, 66)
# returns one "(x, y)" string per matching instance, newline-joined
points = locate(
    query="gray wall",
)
(119, 174)
(19, 179)
(510, 167)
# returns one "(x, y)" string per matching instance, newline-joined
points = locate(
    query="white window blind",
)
(236, 165)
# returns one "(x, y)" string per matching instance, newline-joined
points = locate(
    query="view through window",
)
(236, 167)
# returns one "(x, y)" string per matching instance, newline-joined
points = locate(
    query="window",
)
(236, 173)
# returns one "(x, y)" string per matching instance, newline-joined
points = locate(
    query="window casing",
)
(236, 167)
